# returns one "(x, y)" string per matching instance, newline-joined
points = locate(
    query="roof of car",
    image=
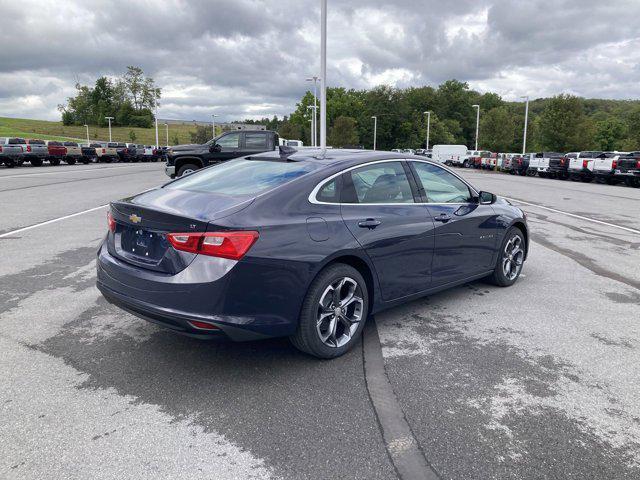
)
(330, 156)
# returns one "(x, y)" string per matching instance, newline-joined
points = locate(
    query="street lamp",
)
(167, 127)
(477, 124)
(315, 79)
(88, 142)
(323, 74)
(526, 119)
(157, 140)
(375, 130)
(109, 118)
(313, 124)
(428, 114)
(213, 124)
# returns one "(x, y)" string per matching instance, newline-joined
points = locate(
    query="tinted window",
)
(441, 186)
(378, 183)
(17, 141)
(329, 192)
(255, 141)
(243, 177)
(229, 141)
(36, 142)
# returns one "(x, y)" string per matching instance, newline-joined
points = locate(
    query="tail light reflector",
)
(584, 164)
(104, 150)
(28, 148)
(614, 164)
(232, 245)
(203, 325)
(637, 163)
(0, 148)
(112, 223)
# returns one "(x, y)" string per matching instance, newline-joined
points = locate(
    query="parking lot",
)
(539, 380)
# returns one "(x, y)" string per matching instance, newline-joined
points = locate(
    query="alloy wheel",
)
(512, 257)
(339, 312)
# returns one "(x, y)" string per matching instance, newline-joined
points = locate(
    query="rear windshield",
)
(36, 142)
(55, 144)
(17, 141)
(112, 145)
(70, 144)
(243, 177)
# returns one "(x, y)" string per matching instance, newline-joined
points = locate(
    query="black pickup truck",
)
(628, 168)
(183, 159)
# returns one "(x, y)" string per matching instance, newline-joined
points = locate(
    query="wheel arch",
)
(525, 231)
(180, 161)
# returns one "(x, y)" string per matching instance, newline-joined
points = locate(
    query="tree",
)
(132, 136)
(610, 134)
(201, 135)
(498, 130)
(563, 126)
(343, 133)
(289, 130)
(175, 140)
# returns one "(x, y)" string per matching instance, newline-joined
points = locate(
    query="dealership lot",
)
(536, 381)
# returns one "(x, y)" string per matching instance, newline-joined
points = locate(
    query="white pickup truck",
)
(605, 165)
(451, 154)
(36, 152)
(539, 163)
(11, 151)
(581, 165)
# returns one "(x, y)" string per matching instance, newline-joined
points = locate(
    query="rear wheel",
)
(9, 163)
(36, 162)
(333, 312)
(510, 258)
(70, 161)
(54, 161)
(187, 169)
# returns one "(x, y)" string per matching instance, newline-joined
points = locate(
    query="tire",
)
(9, 163)
(187, 168)
(70, 161)
(54, 161)
(309, 335)
(86, 161)
(499, 277)
(36, 162)
(465, 164)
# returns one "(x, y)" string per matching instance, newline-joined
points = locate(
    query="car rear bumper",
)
(203, 292)
(170, 170)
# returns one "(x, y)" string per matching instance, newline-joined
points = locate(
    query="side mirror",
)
(486, 198)
(215, 148)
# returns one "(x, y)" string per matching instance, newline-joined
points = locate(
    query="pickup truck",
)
(36, 151)
(184, 159)
(107, 152)
(57, 152)
(581, 165)
(628, 168)
(89, 152)
(150, 154)
(11, 152)
(604, 167)
(129, 153)
(489, 161)
(539, 163)
(74, 153)
(558, 167)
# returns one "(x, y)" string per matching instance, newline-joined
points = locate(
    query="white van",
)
(450, 154)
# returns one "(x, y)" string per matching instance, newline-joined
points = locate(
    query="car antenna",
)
(286, 151)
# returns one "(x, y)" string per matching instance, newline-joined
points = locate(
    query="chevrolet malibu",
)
(303, 244)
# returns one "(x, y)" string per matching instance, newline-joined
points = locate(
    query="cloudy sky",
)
(249, 58)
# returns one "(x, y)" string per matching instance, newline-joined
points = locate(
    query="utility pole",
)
(477, 124)
(526, 119)
(315, 79)
(167, 127)
(428, 114)
(375, 131)
(313, 125)
(109, 118)
(213, 124)
(323, 75)
(157, 140)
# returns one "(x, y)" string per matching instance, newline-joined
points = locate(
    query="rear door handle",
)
(443, 217)
(369, 223)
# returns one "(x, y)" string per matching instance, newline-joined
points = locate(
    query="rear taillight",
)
(203, 325)
(28, 148)
(154, 152)
(614, 164)
(584, 164)
(0, 148)
(111, 222)
(232, 245)
(104, 150)
(637, 163)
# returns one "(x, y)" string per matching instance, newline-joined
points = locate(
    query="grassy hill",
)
(25, 128)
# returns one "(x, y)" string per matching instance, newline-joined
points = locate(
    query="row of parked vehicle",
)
(586, 166)
(16, 151)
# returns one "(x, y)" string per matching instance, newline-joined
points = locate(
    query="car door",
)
(378, 205)
(465, 231)
(226, 147)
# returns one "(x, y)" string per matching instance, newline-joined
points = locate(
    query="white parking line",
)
(68, 171)
(626, 229)
(48, 222)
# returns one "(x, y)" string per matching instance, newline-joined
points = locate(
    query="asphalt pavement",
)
(539, 380)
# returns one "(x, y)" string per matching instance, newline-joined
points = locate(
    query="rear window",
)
(112, 145)
(55, 144)
(17, 141)
(243, 177)
(36, 142)
(70, 144)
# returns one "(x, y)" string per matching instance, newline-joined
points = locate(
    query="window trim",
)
(406, 162)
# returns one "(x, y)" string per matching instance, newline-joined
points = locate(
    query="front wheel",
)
(510, 258)
(187, 169)
(333, 312)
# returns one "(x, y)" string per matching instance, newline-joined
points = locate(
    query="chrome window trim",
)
(314, 193)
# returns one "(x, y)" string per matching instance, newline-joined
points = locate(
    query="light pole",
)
(167, 127)
(313, 125)
(428, 114)
(315, 79)
(375, 130)
(88, 142)
(109, 118)
(213, 124)
(526, 119)
(477, 124)
(323, 74)
(157, 139)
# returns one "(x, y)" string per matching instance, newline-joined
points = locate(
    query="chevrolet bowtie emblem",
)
(135, 218)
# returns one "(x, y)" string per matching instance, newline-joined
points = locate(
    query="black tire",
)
(36, 162)
(85, 160)
(307, 337)
(70, 161)
(54, 161)
(188, 167)
(9, 163)
(465, 164)
(498, 277)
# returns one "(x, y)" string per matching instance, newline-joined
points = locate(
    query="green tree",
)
(610, 134)
(132, 136)
(563, 126)
(498, 130)
(201, 135)
(290, 130)
(343, 132)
